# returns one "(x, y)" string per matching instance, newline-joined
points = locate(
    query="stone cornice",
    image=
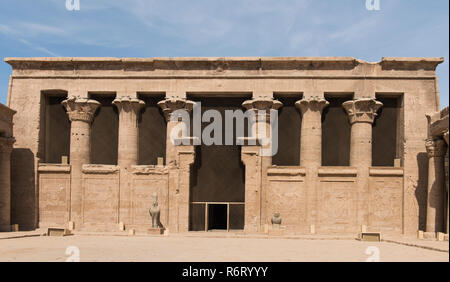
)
(187, 63)
(389, 63)
(362, 110)
(219, 65)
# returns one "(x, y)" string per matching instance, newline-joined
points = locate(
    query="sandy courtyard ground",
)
(186, 249)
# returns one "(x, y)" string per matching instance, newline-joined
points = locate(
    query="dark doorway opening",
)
(217, 175)
(152, 130)
(56, 127)
(105, 130)
(386, 133)
(289, 128)
(336, 131)
(217, 217)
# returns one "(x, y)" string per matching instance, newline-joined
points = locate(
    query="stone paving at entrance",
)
(208, 248)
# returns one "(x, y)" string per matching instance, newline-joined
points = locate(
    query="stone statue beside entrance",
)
(155, 212)
(276, 220)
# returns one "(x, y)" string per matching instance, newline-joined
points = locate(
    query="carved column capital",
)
(81, 109)
(128, 104)
(435, 147)
(262, 106)
(6, 144)
(314, 104)
(170, 105)
(362, 110)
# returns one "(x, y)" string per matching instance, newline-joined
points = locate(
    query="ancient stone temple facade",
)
(6, 147)
(94, 144)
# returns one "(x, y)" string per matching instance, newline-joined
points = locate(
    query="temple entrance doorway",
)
(217, 188)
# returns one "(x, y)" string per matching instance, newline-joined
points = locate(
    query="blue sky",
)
(172, 28)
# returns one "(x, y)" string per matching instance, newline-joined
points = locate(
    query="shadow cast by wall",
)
(23, 192)
(422, 189)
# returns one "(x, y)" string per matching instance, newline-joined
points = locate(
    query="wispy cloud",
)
(17, 34)
(148, 28)
(39, 48)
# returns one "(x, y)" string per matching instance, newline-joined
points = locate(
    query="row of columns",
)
(81, 112)
(361, 113)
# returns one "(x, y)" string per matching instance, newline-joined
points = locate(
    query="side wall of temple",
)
(345, 191)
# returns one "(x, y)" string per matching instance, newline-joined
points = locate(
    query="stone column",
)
(436, 185)
(256, 200)
(311, 135)
(169, 106)
(362, 113)
(445, 136)
(129, 109)
(178, 160)
(6, 146)
(311, 109)
(81, 114)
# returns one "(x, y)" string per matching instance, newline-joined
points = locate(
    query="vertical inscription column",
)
(81, 114)
(362, 113)
(252, 214)
(179, 162)
(6, 146)
(311, 109)
(436, 182)
(256, 196)
(179, 197)
(129, 109)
